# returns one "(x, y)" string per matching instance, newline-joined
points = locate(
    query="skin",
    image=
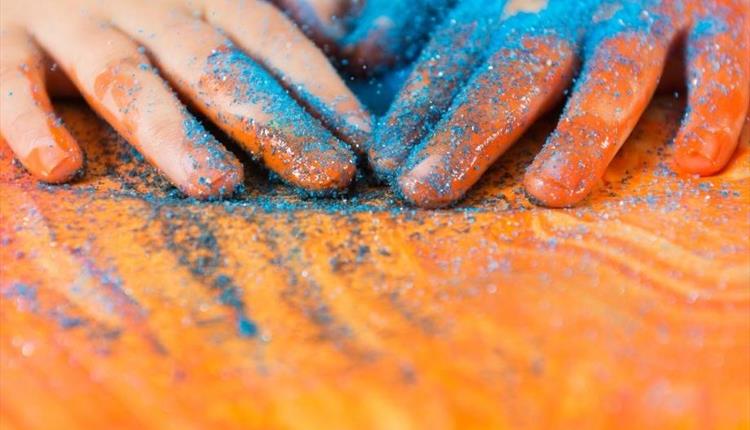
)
(131, 58)
(389, 33)
(368, 37)
(200, 63)
(494, 67)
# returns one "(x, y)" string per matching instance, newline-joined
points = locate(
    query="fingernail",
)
(545, 191)
(423, 185)
(412, 190)
(52, 163)
(706, 146)
(214, 183)
(700, 152)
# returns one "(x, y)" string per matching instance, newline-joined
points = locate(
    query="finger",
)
(456, 48)
(322, 20)
(391, 31)
(719, 91)
(511, 90)
(614, 88)
(285, 51)
(121, 86)
(240, 97)
(27, 120)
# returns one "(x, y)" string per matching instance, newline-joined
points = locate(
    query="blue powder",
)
(290, 128)
(398, 29)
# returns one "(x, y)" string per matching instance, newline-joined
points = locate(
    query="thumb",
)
(389, 32)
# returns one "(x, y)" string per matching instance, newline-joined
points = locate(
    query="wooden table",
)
(123, 305)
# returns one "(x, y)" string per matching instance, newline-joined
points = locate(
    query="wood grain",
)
(123, 305)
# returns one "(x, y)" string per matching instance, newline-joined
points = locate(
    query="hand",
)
(464, 104)
(125, 57)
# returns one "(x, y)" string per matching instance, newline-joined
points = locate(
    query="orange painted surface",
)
(630, 311)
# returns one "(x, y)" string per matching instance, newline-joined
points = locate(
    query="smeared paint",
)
(197, 249)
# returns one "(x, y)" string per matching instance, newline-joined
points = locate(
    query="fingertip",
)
(53, 162)
(548, 192)
(316, 168)
(214, 183)
(344, 176)
(702, 152)
(69, 168)
(414, 191)
(384, 155)
(205, 171)
(329, 175)
(424, 190)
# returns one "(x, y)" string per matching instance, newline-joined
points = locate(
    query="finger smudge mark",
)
(68, 317)
(302, 291)
(196, 247)
(115, 298)
(82, 284)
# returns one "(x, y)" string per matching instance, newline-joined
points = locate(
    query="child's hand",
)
(123, 56)
(465, 104)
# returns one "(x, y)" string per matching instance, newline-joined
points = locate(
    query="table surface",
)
(123, 305)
